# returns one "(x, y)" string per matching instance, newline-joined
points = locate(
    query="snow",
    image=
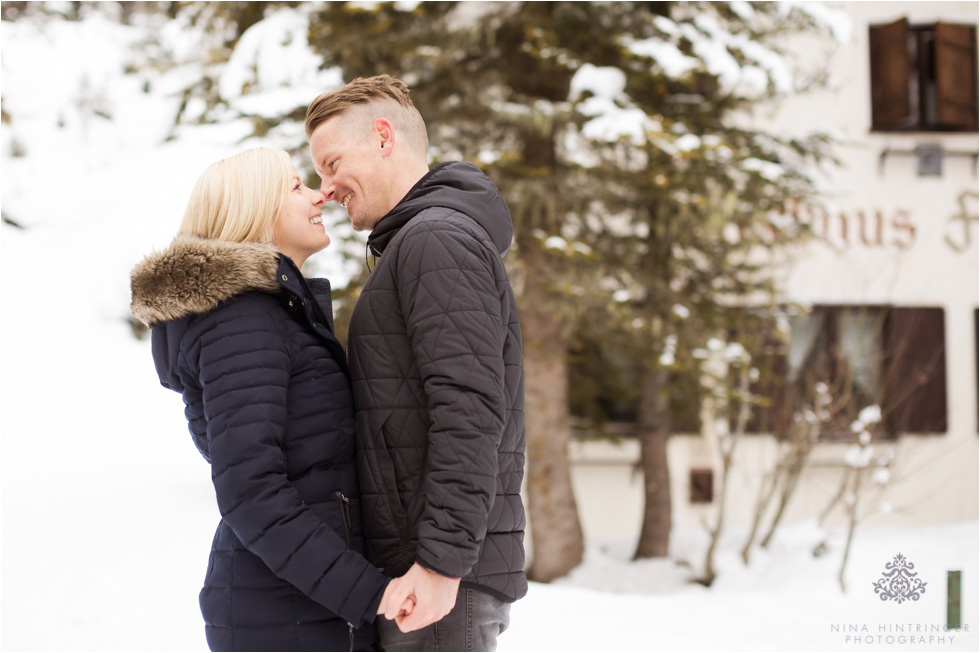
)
(870, 414)
(668, 356)
(881, 475)
(834, 19)
(668, 56)
(714, 46)
(735, 352)
(604, 81)
(731, 233)
(768, 169)
(688, 142)
(858, 456)
(556, 242)
(613, 118)
(272, 69)
(108, 510)
(743, 9)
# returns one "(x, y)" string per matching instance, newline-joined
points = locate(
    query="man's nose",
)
(327, 191)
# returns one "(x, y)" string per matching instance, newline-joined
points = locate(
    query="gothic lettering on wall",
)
(959, 228)
(878, 229)
(893, 229)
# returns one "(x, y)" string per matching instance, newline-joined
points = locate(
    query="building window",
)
(923, 77)
(702, 485)
(891, 357)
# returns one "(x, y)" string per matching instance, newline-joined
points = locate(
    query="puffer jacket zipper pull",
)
(345, 510)
(350, 626)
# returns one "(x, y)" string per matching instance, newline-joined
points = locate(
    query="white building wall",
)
(927, 255)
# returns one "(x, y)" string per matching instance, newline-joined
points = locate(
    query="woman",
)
(249, 343)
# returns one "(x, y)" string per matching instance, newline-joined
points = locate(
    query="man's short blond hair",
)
(381, 96)
(240, 198)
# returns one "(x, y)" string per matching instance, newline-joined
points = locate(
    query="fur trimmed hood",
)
(193, 275)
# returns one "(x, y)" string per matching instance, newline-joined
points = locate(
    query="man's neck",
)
(406, 181)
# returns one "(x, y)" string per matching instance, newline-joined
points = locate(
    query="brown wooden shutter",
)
(890, 69)
(955, 57)
(916, 370)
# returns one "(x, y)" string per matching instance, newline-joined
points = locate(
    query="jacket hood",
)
(454, 185)
(193, 275)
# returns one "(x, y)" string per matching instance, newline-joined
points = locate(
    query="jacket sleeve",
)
(244, 369)
(448, 296)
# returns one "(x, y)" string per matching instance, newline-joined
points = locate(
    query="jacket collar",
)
(193, 275)
(456, 185)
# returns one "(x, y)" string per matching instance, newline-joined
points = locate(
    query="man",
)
(434, 349)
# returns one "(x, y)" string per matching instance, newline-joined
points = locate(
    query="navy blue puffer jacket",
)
(249, 344)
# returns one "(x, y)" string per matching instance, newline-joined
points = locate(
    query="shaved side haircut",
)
(367, 99)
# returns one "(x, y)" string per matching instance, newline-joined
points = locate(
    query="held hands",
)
(419, 598)
(406, 606)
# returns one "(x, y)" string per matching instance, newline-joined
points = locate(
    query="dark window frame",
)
(923, 77)
(910, 371)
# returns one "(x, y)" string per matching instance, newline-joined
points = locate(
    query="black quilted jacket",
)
(250, 346)
(434, 349)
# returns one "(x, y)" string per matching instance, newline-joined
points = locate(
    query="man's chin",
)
(362, 224)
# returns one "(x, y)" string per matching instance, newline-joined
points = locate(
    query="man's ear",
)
(385, 134)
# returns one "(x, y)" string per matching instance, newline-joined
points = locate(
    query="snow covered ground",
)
(107, 509)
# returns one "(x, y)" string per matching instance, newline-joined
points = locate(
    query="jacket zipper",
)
(345, 510)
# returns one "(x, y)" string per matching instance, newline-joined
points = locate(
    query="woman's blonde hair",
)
(239, 198)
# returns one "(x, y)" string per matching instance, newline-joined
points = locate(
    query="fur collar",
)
(193, 275)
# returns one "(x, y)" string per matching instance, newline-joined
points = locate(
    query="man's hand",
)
(433, 596)
(406, 606)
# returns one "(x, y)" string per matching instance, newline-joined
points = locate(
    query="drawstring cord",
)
(367, 248)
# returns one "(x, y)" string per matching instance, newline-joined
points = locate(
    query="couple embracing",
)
(369, 498)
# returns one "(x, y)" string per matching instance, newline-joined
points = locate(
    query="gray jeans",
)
(473, 625)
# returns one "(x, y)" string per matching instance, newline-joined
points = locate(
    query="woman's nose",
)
(318, 198)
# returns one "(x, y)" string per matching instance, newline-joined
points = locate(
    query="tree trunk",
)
(726, 449)
(791, 479)
(851, 526)
(654, 427)
(767, 490)
(558, 543)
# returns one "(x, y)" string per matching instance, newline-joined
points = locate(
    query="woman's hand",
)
(407, 605)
